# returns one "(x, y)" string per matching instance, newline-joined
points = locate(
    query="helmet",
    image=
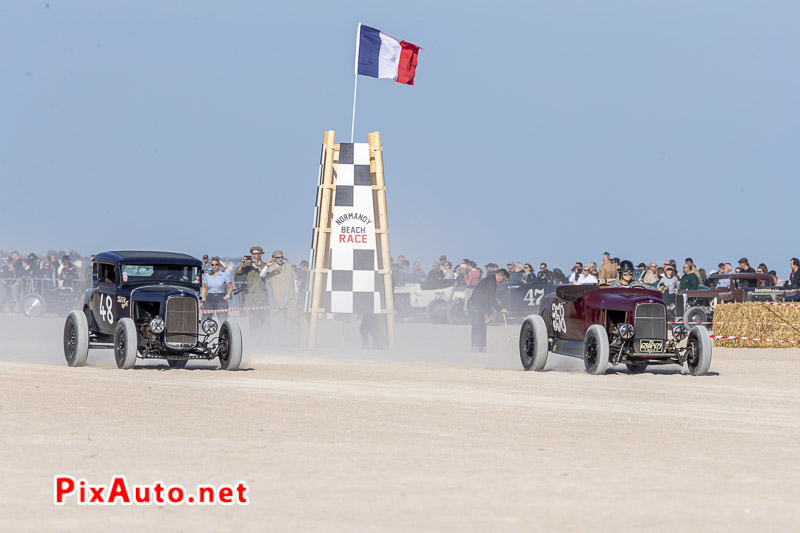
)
(625, 266)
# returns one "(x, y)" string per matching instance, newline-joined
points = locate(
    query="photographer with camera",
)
(576, 272)
(68, 272)
(256, 292)
(281, 278)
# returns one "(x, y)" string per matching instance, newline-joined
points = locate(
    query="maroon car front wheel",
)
(595, 350)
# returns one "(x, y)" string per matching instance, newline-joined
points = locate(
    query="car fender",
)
(547, 302)
(530, 318)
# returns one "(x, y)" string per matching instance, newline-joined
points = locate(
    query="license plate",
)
(651, 346)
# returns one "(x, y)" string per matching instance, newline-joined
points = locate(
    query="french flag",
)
(380, 55)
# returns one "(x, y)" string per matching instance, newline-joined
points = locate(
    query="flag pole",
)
(355, 87)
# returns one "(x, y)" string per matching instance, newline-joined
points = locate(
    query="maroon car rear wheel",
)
(533, 343)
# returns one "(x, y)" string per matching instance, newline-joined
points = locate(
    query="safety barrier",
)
(736, 337)
(250, 308)
(739, 323)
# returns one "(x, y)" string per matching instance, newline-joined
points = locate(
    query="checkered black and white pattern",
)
(353, 283)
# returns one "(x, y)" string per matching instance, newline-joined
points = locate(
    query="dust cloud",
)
(40, 341)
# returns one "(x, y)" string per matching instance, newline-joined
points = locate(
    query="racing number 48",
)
(105, 310)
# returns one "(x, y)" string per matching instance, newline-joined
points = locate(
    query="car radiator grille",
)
(181, 322)
(650, 321)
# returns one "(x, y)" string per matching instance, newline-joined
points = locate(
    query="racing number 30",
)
(105, 310)
(559, 324)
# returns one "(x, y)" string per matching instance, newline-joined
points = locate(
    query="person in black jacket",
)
(794, 280)
(744, 266)
(482, 301)
(794, 276)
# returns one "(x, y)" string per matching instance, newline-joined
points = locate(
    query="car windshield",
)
(180, 273)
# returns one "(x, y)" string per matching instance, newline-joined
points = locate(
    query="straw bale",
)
(756, 312)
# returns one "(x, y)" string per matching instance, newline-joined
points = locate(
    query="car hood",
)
(620, 299)
(156, 293)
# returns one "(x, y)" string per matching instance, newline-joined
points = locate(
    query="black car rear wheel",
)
(126, 343)
(76, 339)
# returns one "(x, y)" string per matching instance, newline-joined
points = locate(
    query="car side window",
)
(107, 274)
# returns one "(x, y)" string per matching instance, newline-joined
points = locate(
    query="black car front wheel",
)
(230, 346)
(126, 343)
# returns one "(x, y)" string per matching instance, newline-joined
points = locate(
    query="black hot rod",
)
(146, 304)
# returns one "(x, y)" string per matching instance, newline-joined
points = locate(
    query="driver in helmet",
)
(625, 279)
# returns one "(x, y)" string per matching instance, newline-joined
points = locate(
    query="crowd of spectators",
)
(63, 268)
(666, 277)
(70, 269)
(56, 268)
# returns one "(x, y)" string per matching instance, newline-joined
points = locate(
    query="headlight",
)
(625, 331)
(209, 326)
(679, 331)
(157, 325)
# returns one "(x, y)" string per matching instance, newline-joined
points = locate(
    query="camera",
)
(249, 257)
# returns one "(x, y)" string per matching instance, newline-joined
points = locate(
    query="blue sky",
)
(536, 131)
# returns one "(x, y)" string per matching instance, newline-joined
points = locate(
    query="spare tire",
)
(457, 313)
(695, 314)
(401, 311)
(437, 312)
(33, 305)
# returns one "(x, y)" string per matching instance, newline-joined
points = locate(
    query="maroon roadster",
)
(610, 326)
